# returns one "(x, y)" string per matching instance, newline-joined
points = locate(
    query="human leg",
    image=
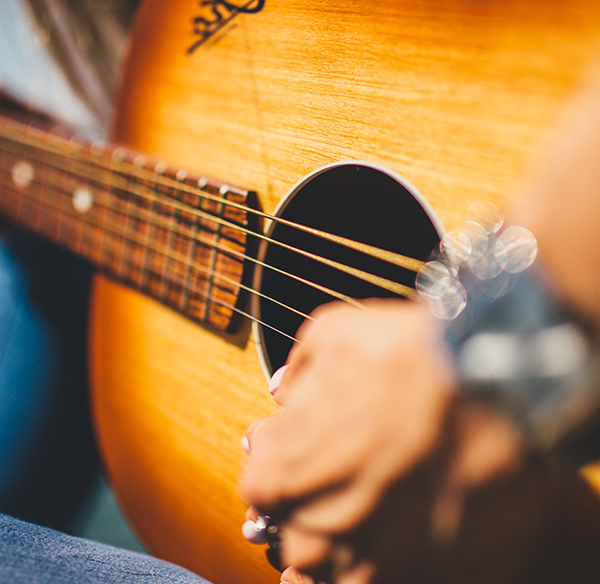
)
(30, 554)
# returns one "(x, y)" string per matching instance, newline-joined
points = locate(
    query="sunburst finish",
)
(454, 95)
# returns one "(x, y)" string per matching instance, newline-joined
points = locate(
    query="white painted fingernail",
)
(251, 533)
(276, 379)
(246, 444)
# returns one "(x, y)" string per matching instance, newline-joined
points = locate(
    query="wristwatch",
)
(514, 344)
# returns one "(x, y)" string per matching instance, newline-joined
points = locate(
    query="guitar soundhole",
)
(358, 201)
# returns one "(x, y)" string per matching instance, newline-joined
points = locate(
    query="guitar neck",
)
(178, 237)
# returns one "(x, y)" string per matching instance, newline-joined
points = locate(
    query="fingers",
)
(304, 549)
(275, 383)
(252, 432)
(283, 379)
(293, 576)
(252, 513)
(278, 396)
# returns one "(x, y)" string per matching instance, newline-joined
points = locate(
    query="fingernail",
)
(276, 379)
(251, 533)
(245, 444)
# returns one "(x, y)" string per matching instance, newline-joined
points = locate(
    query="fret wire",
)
(112, 230)
(151, 234)
(166, 285)
(146, 193)
(384, 283)
(126, 258)
(183, 295)
(43, 181)
(112, 198)
(143, 263)
(385, 255)
(100, 247)
(193, 247)
(99, 193)
(120, 210)
(376, 280)
(192, 252)
(88, 187)
(324, 289)
(132, 222)
(183, 259)
(113, 209)
(61, 222)
(111, 206)
(157, 264)
(134, 191)
(213, 256)
(71, 192)
(57, 176)
(243, 256)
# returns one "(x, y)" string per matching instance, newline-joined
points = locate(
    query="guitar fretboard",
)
(176, 236)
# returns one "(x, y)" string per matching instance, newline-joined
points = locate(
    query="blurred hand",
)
(372, 459)
(377, 471)
(356, 393)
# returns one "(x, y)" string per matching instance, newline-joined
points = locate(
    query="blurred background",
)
(62, 58)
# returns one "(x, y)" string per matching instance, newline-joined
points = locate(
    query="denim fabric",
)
(30, 554)
(48, 460)
(29, 356)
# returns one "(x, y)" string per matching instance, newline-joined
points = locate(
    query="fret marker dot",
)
(82, 199)
(119, 154)
(22, 174)
(98, 146)
(224, 189)
(160, 168)
(181, 175)
(140, 160)
(203, 182)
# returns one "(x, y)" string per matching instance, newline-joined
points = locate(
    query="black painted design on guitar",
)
(217, 13)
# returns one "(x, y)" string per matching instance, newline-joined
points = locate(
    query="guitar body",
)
(454, 95)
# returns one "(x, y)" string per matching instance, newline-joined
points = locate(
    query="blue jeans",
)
(30, 554)
(48, 460)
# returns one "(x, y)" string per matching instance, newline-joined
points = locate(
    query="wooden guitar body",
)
(454, 95)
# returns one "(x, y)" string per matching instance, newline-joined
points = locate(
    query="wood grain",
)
(455, 95)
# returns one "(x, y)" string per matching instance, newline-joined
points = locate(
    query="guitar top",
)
(453, 96)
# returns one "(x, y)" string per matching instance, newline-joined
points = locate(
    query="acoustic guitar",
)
(333, 116)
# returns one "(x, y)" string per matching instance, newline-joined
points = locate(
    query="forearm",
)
(561, 202)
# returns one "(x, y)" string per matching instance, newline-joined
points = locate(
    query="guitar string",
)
(144, 192)
(209, 217)
(148, 194)
(149, 175)
(183, 260)
(206, 243)
(172, 254)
